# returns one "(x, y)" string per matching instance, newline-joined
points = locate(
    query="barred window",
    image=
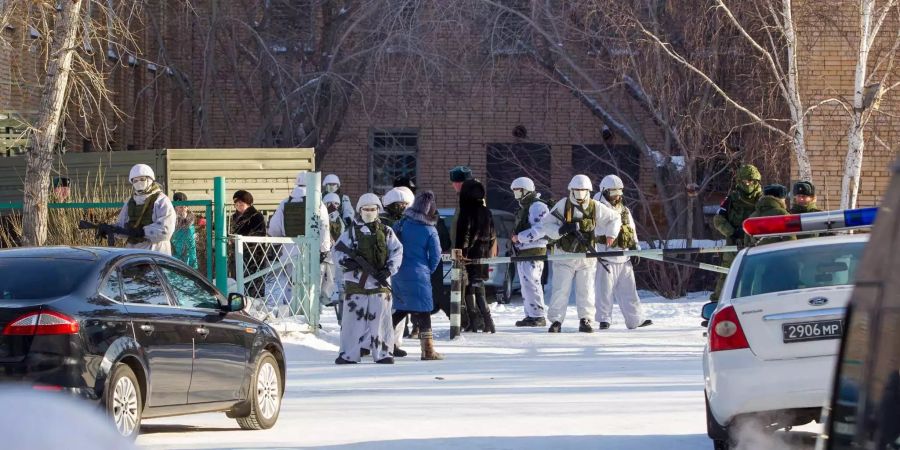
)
(392, 155)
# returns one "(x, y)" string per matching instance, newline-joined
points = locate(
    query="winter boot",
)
(426, 339)
(399, 352)
(604, 325)
(414, 334)
(488, 323)
(555, 328)
(584, 326)
(386, 360)
(646, 323)
(475, 321)
(532, 322)
(341, 361)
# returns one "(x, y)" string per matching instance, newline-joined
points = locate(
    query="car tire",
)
(123, 401)
(264, 395)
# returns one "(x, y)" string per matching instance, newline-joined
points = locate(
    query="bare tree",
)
(72, 42)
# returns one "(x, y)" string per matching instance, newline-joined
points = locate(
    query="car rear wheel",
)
(265, 395)
(505, 292)
(123, 401)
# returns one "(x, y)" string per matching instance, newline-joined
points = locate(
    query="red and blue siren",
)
(811, 222)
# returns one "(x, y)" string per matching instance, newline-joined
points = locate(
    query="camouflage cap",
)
(748, 172)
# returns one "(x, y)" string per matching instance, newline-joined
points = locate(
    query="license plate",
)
(812, 331)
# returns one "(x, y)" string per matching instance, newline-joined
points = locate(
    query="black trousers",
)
(419, 319)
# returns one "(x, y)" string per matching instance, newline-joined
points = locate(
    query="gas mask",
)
(368, 216)
(331, 188)
(580, 195)
(141, 184)
(396, 209)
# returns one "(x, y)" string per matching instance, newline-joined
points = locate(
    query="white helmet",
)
(580, 182)
(523, 183)
(301, 178)
(400, 194)
(331, 198)
(611, 182)
(141, 170)
(331, 179)
(368, 200)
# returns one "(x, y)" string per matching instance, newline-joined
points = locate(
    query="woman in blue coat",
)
(421, 256)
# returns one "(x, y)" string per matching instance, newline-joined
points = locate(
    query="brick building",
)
(479, 118)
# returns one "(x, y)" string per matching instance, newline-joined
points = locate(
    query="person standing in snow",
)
(184, 239)
(421, 258)
(370, 254)
(247, 221)
(148, 215)
(289, 220)
(477, 238)
(737, 207)
(331, 274)
(332, 185)
(575, 223)
(530, 240)
(615, 280)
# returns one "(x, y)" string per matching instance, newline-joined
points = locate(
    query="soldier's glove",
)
(383, 276)
(136, 232)
(102, 234)
(350, 265)
(567, 228)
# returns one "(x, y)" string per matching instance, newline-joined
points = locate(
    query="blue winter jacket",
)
(421, 256)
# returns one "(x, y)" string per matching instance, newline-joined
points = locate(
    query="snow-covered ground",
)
(517, 389)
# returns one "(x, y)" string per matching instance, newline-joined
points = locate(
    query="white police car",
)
(775, 333)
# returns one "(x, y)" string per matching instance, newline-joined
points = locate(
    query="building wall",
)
(827, 70)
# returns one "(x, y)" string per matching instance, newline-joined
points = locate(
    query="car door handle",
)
(147, 328)
(202, 331)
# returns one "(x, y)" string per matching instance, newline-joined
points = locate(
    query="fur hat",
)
(804, 188)
(243, 196)
(179, 197)
(459, 174)
(775, 190)
(423, 209)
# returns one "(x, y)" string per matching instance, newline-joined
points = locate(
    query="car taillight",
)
(727, 333)
(41, 323)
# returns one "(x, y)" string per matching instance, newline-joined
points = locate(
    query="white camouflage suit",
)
(366, 319)
(618, 283)
(278, 288)
(530, 272)
(157, 235)
(578, 271)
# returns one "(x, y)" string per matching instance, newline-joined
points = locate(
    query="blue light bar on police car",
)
(811, 222)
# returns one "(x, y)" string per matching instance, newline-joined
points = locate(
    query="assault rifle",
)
(364, 266)
(580, 237)
(105, 231)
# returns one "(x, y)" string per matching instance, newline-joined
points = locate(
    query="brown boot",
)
(427, 341)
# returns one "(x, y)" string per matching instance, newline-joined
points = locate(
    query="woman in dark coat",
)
(247, 221)
(476, 236)
(421, 257)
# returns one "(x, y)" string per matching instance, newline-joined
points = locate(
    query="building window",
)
(598, 161)
(506, 162)
(508, 32)
(392, 155)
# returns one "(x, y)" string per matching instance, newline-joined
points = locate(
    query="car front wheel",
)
(123, 401)
(265, 395)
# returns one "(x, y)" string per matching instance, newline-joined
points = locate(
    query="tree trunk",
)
(855, 139)
(46, 132)
(792, 92)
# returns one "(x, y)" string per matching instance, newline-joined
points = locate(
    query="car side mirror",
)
(236, 302)
(708, 310)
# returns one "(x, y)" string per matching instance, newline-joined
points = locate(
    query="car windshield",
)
(798, 268)
(40, 278)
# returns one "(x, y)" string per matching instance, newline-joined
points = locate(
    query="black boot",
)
(555, 328)
(646, 323)
(399, 352)
(342, 361)
(604, 325)
(584, 326)
(488, 323)
(475, 322)
(386, 360)
(532, 322)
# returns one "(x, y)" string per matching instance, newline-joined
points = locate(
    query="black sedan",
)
(137, 332)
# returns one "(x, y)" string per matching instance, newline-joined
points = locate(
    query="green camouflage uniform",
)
(766, 207)
(738, 206)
